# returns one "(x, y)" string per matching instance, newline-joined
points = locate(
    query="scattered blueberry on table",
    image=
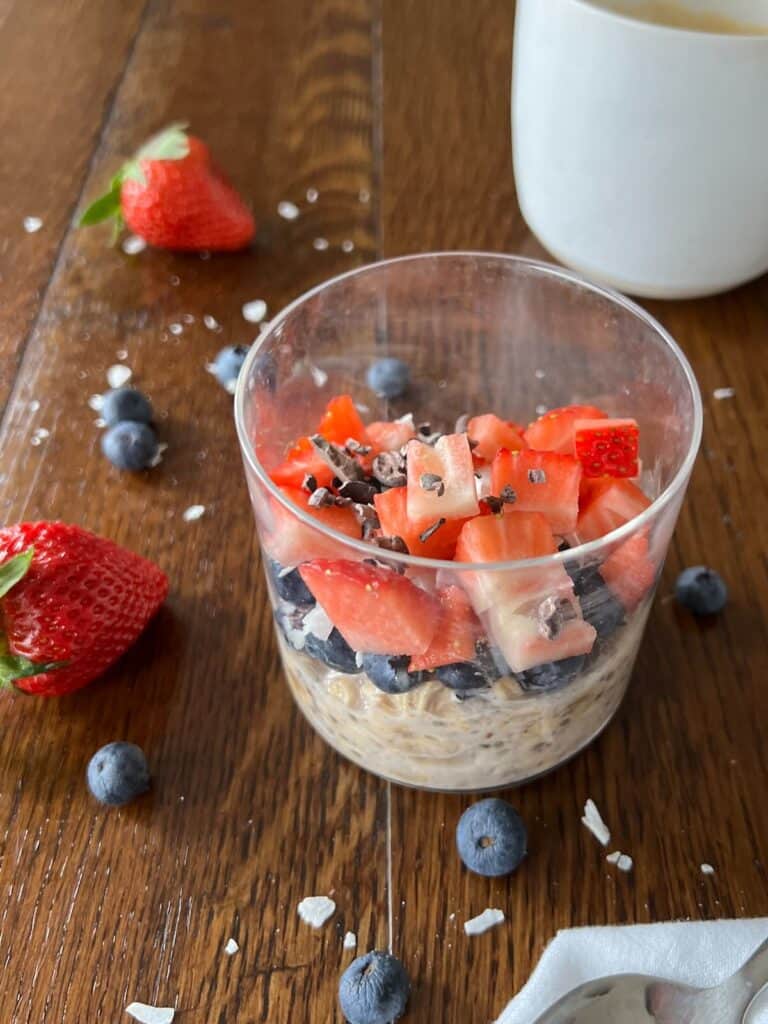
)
(125, 404)
(118, 773)
(374, 989)
(130, 445)
(701, 590)
(389, 377)
(227, 365)
(491, 838)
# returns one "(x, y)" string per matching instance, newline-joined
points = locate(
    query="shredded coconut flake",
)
(312, 195)
(594, 822)
(622, 860)
(32, 224)
(488, 919)
(539, 374)
(96, 402)
(721, 393)
(157, 458)
(315, 910)
(707, 869)
(540, 409)
(146, 1014)
(188, 318)
(231, 947)
(317, 622)
(34, 405)
(320, 377)
(39, 436)
(321, 244)
(350, 940)
(347, 245)
(210, 322)
(176, 328)
(364, 195)
(255, 311)
(118, 375)
(288, 210)
(122, 353)
(132, 245)
(193, 512)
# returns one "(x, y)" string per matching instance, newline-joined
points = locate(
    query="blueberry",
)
(491, 838)
(598, 605)
(334, 652)
(389, 672)
(130, 445)
(118, 773)
(701, 590)
(374, 989)
(125, 404)
(389, 377)
(227, 365)
(463, 675)
(289, 585)
(552, 675)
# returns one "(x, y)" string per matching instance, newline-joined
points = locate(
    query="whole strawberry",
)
(172, 196)
(70, 604)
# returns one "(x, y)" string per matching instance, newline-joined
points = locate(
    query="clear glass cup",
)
(480, 332)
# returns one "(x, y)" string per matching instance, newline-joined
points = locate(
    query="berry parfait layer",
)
(459, 596)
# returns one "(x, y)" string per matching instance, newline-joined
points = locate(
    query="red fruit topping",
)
(391, 507)
(290, 541)
(607, 504)
(491, 433)
(376, 610)
(545, 482)
(441, 479)
(553, 432)
(457, 630)
(607, 447)
(390, 436)
(629, 571)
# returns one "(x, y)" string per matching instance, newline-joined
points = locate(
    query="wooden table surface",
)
(397, 113)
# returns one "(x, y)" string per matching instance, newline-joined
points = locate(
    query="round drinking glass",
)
(480, 332)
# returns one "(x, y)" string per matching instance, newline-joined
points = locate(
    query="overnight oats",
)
(458, 602)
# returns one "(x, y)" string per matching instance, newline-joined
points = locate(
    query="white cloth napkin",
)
(693, 952)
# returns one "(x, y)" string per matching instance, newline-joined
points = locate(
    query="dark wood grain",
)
(409, 103)
(250, 811)
(680, 773)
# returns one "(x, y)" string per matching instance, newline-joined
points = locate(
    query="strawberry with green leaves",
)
(171, 195)
(70, 604)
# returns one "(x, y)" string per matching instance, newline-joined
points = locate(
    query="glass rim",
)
(580, 551)
(628, 18)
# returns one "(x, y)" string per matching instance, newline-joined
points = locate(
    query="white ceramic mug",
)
(641, 151)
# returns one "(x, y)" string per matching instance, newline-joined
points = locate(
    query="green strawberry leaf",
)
(16, 666)
(103, 208)
(14, 570)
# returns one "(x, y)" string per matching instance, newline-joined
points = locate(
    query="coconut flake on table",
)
(488, 919)
(193, 512)
(176, 328)
(622, 860)
(707, 869)
(347, 245)
(364, 195)
(157, 458)
(594, 822)
(254, 311)
(40, 435)
(321, 244)
(188, 318)
(312, 195)
(350, 941)
(316, 910)
(146, 1014)
(288, 210)
(132, 245)
(211, 322)
(231, 947)
(118, 375)
(96, 402)
(34, 405)
(32, 224)
(720, 393)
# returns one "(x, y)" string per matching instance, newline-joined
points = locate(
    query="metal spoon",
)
(640, 999)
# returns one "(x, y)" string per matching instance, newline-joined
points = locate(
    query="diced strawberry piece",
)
(509, 537)
(491, 433)
(302, 460)
(376, 610)
(524, 645)
(607, 504)
(456, 633)
(553, 432)
(391, 507)
(607, 447)
(290, 541)
(546, 482)
(341, 421)
(390, 435)
(629, 571)
(448, 469)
